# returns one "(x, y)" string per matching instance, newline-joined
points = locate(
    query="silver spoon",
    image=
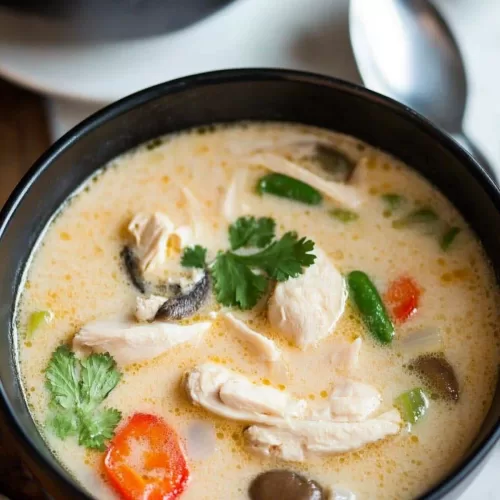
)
(405, 50)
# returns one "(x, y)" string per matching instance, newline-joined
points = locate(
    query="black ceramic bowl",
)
(109, 19)
(227, 96)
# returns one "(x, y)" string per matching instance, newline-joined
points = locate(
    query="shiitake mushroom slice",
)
(337, 164)
(284, 484)
(131, 264)
(438, 375)
(179, 306)
(184, 305)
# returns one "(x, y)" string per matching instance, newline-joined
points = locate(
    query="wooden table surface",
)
(24, 135)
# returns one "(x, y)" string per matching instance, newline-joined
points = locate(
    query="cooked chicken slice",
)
(147, 307)
(345, 355)
(360, 174)
(306, 309)
(131, 342)
(151, 233)
(294, 439)
(352, 401)
(241, 394)
(345, 195)
(232, 396)
(232, 206)
(263, 346)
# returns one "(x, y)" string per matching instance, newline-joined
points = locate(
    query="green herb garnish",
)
(194, 257)
(251, 232)
(344, 215)
(393, 200)
(449, 237)
(36, 320)
(413, 405)
(237, 280)
(422, 215)
(77, 389)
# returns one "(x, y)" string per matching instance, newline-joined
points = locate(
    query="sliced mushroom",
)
(438, 375)
(276, 484)
(131, 263)
(185, 305)
(336, 163)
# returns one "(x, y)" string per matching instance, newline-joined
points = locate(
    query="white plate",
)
(308, 35)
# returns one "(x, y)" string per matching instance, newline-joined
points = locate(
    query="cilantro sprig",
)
(241, 280)
(251, 232)
(194, 257)
(77, 388)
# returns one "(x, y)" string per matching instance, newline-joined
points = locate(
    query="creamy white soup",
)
(258, 311)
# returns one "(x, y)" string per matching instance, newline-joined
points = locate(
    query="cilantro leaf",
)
(64, 423)
(283, 259)
(194, 257)
(235, 283)
(77, 388)
(251, 232)
(99, 377)
(62, 378)
(98, 427)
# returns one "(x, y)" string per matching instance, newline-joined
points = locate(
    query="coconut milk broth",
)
(76, 272)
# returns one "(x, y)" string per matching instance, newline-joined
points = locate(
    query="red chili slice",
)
(403, 297)
(145, 460)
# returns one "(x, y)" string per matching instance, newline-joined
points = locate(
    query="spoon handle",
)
(468, 145)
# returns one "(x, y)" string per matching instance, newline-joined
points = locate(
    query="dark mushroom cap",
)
(284, 485)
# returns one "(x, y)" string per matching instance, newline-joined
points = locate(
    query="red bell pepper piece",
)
(145, 461)
(403, 297)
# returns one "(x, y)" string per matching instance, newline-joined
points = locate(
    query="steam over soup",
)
(255, 311)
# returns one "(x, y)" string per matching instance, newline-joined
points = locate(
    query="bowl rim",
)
(248, 75)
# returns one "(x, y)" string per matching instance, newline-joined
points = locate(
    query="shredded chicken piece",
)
(152, 234)
(353, 401)
(294, 439)
(147, 307)
(264, 347)
(345, 355)
(359, 177)
(306, 309)
(346, 195)
(232, 206)
(286, 427)
(232, 396)
(131, 342)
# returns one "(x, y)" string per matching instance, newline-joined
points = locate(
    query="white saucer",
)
(303, 34)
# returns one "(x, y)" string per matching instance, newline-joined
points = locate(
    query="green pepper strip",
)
(412, 404)
(370, 305)
(288, 187)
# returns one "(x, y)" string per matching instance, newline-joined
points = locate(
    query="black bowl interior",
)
(227, 97)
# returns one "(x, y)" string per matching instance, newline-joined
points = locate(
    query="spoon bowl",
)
(404, 49)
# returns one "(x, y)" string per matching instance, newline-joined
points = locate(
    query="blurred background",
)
(61, 60)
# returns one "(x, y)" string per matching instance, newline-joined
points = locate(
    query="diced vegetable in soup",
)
(258, 310)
